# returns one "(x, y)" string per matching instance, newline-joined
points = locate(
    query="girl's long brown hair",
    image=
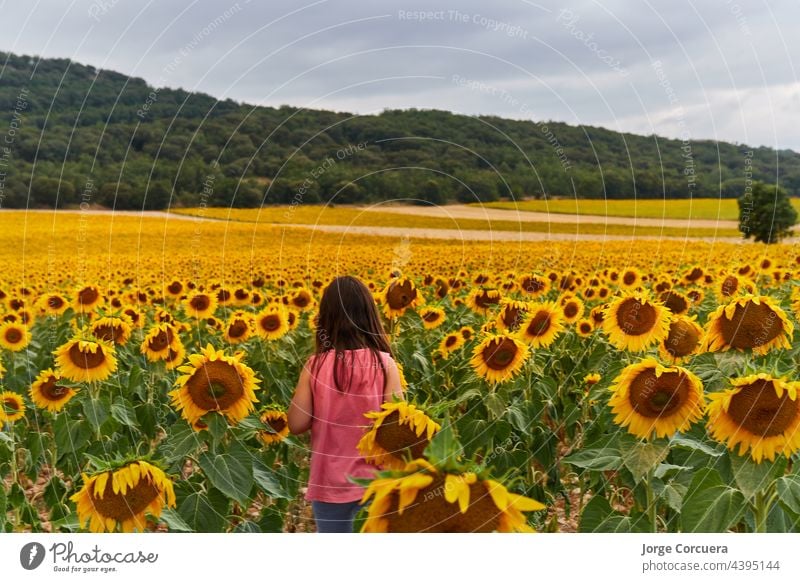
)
(348, 319)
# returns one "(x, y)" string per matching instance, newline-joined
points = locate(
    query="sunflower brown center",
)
(86, 360)
(124, 507)
(571, 309)
(682, 339)
(629, 278)
(512, 317)
(729, 286)
(636, 318)
(87, 296)
(11, 404)
(539, 324)
(401, 294)
(399, 439)
(215, 386)
(55, 302)
(161, 341)
(175, 288)
(532, 285)
(277, 424)
(13, 335)
(674, 302)
(223, 295)
(694, 274)
(241, 294)
(656, 397)
(760, 411)
(237, 329)
(430, 511)
(750, 326)
(108, 332)
(270, 322)
(450, 341)
(499, 354)
(431, 317)
(485, 300)
(200, 302)
(301, 300)
(50, 390)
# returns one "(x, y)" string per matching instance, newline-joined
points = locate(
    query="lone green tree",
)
(766, 213)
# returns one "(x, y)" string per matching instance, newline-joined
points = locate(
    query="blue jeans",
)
(335, 517)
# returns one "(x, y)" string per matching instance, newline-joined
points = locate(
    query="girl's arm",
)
(301, 409)
(394, 390)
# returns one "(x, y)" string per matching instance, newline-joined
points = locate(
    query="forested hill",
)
(71, 133)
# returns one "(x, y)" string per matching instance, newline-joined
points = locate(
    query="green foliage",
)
(766, 214)
(98, 137)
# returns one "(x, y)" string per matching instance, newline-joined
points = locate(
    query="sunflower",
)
(85, 361)
(214, 381)
(239, 328)
(14, 336)
(301, 300)
(630, 278)
(46, 393)
(398, 430)
(423, 499)
(542, 325)
(731, 285)
(158, 342)
(121, 497)
(572, 308)
(201, 305)
(175, 289)
(134, 316)
(450, 343)
(12, 407)
(467, 332)
(759, 413)
(591, 379)
(683, 340)
(272, 322)
(277, 426)
(748, 322)
(511, 314)
(676, 302)
(87, 299)
(112, 329)
(398, 296)
(481, 301)
(432, 317)
(176, 355)
(584, 327)
(498, 358)
(53, 304)
(650, 398)
(634, 322)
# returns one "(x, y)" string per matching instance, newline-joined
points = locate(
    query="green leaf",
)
(495, 405)
(267, 481)
(229, 474)
(124, 413)
(641, 457)
(181, 441)
(602, 459)
(753, 477)
(204, 512)
(444, 448)
(598, 517)
(711, 505)
(71, 435)
(247, 527)
(673, 494)
(788, 489)
(687, 442)
(174, 521)
(217, 425)
(271, 520)
(96, 411)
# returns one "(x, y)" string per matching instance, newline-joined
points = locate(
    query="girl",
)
(351, 372)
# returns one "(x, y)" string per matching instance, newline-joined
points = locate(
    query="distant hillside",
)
(70, 133)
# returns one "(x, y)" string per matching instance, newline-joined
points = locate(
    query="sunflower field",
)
(630, 386)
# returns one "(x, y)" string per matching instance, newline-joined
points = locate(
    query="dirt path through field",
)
(461, 211)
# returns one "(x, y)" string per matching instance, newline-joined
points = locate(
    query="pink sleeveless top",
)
(338, 423)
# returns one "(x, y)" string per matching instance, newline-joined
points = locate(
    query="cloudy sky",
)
(702, 69)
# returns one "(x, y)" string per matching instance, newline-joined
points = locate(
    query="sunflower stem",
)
(652, 508)
(761, 506)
